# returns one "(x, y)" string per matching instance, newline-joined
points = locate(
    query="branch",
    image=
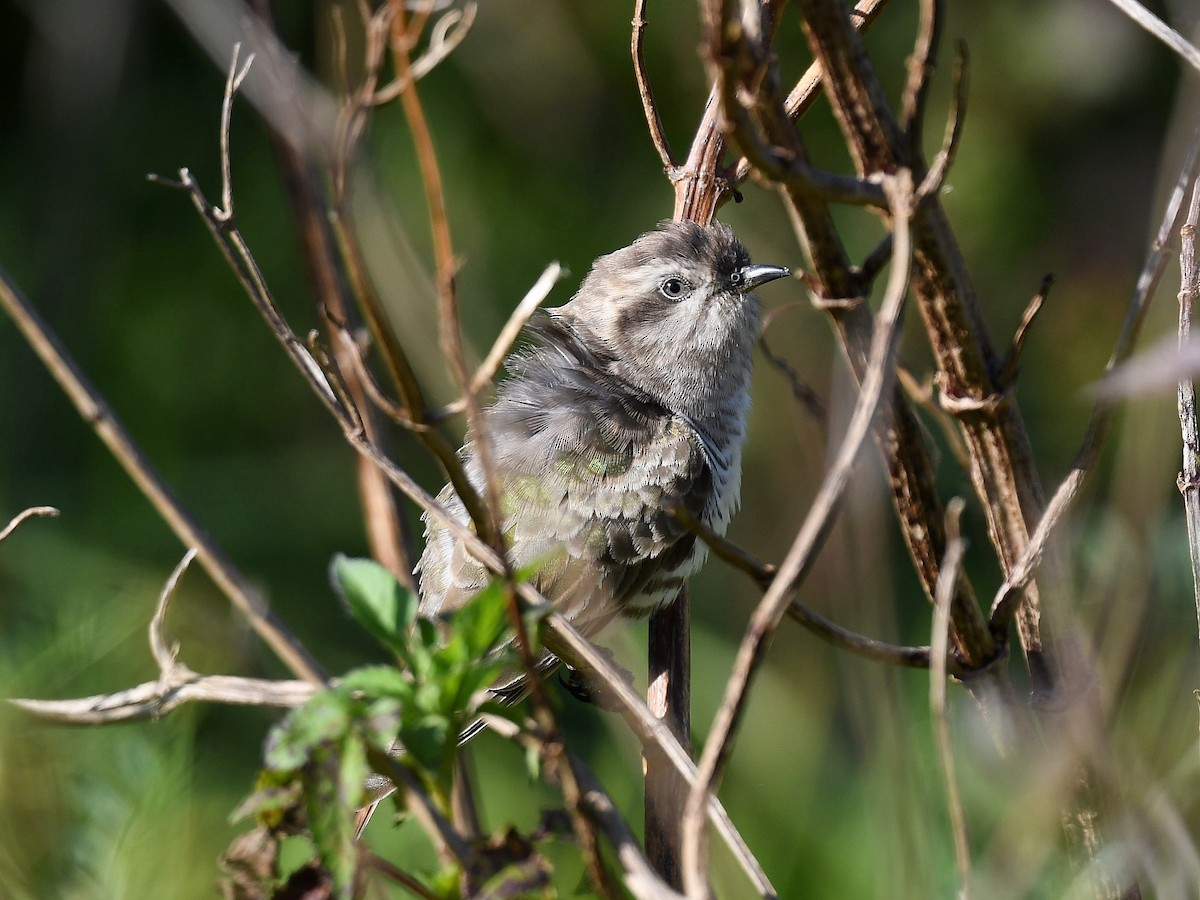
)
(653, 120)
(20, 518)
(1008, 598)
(104, 422)
(763, 574)
(1161, 30)
(1189, 477)
(817, 523)
(937, 690)
(176, 684)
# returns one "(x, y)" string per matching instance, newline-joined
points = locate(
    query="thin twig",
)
(803, 392)
(1008, 598)
(444, 39)
(921, 65)
(449, 326)
(16, 521)
(533, 298)
(944, 160)
(232, 83)
(640, 877)
(388, 533)
(1012, 360)
(940, 639)
(653, 120)
(153, 699)
(1189, 477)
(770, 611)
(104, 422)
(1160, 30)
(164, 653)
(398, 875)
(801, 97)
(763, 574)
(176, 683)
(569, 645)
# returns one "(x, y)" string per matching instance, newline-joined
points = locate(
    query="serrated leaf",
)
(375, 599)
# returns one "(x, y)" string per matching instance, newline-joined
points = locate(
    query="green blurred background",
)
(1070, 129)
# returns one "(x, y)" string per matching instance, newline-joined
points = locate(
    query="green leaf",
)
(429, 740)
(483, 621)
(376, 681)
(375, 599)
(323, 718)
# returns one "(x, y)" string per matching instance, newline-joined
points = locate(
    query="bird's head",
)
(675, 313)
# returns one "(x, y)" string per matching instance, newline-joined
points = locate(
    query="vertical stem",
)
(669, 698)
(1189, 477)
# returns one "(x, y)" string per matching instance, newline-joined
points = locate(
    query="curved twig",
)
(653, 120)
(20, 518)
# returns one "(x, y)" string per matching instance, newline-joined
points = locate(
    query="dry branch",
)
(766, 618)
(25, 515)
(176, 684)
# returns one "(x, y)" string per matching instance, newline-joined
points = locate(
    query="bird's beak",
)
(753, 276)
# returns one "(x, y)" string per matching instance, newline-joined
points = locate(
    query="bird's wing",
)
(590, 472)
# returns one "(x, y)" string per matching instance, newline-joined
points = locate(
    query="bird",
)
(627, 404)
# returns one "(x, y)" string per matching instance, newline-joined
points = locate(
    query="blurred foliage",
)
(541, 137)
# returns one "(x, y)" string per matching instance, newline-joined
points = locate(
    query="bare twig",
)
(570, 646)
(816, 525)
(942, 162)
(154, 699)
(763, 574)
(444, 38)
(803, 392)
(389, 536)
(640, 877)
(232, 83)
(176, 683)
(937, 691)
(447, 266)
(533, 298)
(96, 412)
(1160, 30)
(1012, 360)
(1189, 477)
(921, 65)
(20, 518)
(1008, 598)
(653, 120)
(801, 97)
(164, 653)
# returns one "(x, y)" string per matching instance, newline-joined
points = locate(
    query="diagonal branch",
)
(175, 686)
(109, 428)
(799, 559)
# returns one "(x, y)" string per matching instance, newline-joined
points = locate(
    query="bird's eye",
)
(673, 288)
(735, 279)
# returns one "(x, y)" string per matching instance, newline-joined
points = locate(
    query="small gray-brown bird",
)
(631, 403)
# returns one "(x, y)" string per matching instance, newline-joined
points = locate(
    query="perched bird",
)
(630, 402)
